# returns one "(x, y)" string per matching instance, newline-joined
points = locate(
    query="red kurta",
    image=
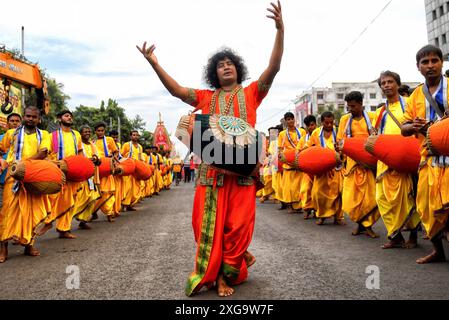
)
(224, 206)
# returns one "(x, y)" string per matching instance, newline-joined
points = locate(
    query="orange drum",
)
(317, 160)
(177, 168)
(355, 149)
(291, 157)
(77, 168)
(126, 167)
(163, 170)
(399, 153)
(438, 138)
(143, 171)
(39, 176)
(107, 167)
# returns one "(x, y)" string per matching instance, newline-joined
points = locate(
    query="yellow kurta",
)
(89, 194)
(23, 211)
(359, 183)
(107, 184)
(291, 178)
(305, 189)
(63, 203)
(432, 201)
(159, 179)
(326, 190)
(131, 185)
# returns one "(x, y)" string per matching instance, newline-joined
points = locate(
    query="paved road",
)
(148, 254)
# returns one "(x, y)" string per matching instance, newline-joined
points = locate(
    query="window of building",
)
(447, 6)
(372, 96)
(443, 37)
(437, 42)
(434, 14)
(320, 96)
(340, 96)
(441, 11)
(373, 108)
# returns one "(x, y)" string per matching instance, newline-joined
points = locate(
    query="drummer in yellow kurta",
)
(23, 211)
(170, 170)
(89, 193)
(132, 149)
(359, 183)
(66, 142)
(433, 186)
(106, 147)
(291, 178)
(394, 190)
(326, 190)
(306, 186)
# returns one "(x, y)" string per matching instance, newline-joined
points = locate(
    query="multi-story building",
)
(437, 16)
(317, 100)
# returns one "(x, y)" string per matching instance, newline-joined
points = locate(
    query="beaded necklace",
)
(228, 105)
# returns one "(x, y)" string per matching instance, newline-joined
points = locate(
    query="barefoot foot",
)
(432, 258)
(370, 233)
(320, 222)
(66, 235)
(31, 251)
(249, 259)
(3, 252)
(44, 229)
(223, 289)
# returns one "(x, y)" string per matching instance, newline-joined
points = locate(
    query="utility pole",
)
(23, 56)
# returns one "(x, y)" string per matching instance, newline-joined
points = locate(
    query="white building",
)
(437, 16)
(317, 100)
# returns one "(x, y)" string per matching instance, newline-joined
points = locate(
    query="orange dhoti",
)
(223, 223)
(326, 195)
(432, 202)
(85, 202)
(359, 195)
(132, 189)
(119, 185)
(306, 192)
(62, 206)
(21, 213)
(107, 200)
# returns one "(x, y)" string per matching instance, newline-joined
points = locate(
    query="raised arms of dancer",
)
(274, 66)
(172, 86)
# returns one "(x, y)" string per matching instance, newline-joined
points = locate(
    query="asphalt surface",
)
(148, 254)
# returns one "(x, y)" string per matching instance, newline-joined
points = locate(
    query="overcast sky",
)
(89, 46)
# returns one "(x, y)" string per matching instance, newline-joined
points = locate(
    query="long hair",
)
(210, 70)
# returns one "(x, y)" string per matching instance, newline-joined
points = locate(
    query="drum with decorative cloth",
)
(437, 140)
(38, 176)
(228, 144)
(355, 149)
(401, 154)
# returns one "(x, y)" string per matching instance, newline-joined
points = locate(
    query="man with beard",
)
(27, 142)
(359, 184)
(66, 142)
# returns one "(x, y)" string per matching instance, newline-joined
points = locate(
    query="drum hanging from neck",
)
(437, 139)
(227, 143)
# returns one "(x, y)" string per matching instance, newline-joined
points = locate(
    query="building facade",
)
(437, 17)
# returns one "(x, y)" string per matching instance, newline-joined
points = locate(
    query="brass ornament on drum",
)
(228, 144)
